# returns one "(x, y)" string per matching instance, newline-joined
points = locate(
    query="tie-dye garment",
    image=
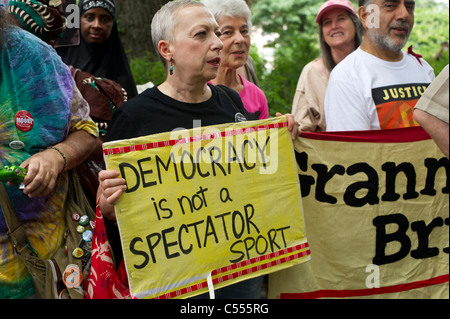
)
(34, 79)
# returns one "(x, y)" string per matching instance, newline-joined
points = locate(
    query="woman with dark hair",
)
(100, 51)
(340, 34)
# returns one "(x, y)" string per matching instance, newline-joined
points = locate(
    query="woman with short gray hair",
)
(235, 20)
(186, 37)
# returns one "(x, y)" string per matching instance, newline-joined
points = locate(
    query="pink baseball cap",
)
(333, 4)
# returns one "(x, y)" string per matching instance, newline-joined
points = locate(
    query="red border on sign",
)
(366, 292)
(206, 137)
(239, 273)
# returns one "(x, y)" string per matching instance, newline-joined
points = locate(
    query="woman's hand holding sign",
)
(111, 187)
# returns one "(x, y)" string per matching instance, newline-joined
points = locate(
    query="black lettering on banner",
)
(199, 161)
(423, 233)
(191, 247)
(122, 167)
(383, 239)
(167, 244)
(262, 151)
(241, 253)
(433, 165)
(145, 184)
(248, 219)
(445, 250)
(196, 202)
(238, 232)
(210, 231)
(371, 185)
(196, 231)
(235, 158)
(227, 197)
(139, 252)
(306, 181)
(159, 207)
(392, 171)
(173, 242)
(272, 234)
(222, 216)
(152, 246)
(244, 247)
(216, 161)
(266, 245)
(160, 163)
(323, 177)
(191, 164)
(248, 167)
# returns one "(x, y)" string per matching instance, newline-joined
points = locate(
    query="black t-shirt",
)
(153, 112)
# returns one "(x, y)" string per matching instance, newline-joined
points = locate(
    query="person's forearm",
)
(76, 148)
(437, 129)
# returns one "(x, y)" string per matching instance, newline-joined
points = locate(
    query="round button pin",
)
(87, 236)
(84, 220)
(81, 229)
(72, 276)
(16, 145)
(24, 121)
(78, 253)
(76, 217)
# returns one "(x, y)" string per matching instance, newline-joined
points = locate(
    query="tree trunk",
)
(134, 19)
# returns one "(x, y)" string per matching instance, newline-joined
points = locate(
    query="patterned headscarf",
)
(44, 18)
(108, 5)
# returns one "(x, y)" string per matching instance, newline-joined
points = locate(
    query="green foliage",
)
(279, 85)
(430, 30)
(146, 69)
(440, 63)
(287, 18)
(296, 45)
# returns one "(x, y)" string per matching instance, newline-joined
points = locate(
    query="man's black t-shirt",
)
(153, 112)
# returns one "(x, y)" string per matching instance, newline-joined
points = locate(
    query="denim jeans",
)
(248, 289)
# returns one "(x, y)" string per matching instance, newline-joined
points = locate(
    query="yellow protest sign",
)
(220, 203)
(376, 206)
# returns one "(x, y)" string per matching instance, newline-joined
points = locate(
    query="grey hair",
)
(229, 8)
(164, 22)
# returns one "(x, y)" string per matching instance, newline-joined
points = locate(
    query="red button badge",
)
(24, 121)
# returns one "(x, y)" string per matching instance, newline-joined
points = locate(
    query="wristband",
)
(62, 154)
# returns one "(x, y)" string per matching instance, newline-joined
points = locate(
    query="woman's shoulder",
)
(22, 43)
(251, 87)
(315, 71)
(146, 97)
(222, 89)
(316, 66)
